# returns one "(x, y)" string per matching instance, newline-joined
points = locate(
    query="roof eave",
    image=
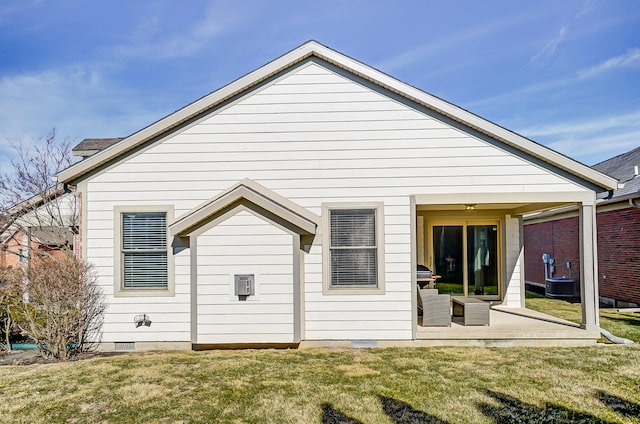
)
(313, 48)
(302, 219)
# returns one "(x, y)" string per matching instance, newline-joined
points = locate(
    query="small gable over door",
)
(247, 233)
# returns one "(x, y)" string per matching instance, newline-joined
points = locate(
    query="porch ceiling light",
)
(470, 207)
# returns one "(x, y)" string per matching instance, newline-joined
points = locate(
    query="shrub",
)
(64, 311)
(10, 300)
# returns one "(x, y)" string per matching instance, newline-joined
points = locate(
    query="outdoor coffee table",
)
(473, 311)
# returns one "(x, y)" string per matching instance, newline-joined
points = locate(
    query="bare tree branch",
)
(29, 196)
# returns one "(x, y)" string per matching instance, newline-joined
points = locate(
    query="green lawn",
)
(454, 385)
(621, 324)
(394, 385)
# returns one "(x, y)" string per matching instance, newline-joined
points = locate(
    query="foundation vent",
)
(125, 345)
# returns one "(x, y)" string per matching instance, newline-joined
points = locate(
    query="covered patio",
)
(508, 327)
(474, 243)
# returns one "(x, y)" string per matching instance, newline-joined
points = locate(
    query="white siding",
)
(245, 244)
(169, 315)
(515, 261)
(313, 136)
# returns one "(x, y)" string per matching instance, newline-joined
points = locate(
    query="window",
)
(143, 265)
(354, 247)
(144, 250)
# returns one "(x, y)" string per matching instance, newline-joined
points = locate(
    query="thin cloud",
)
(587, 149)
(74, 99)
(587, 7)
(628, 120)
(604, 136)
(150, 39)
(9, 7)
(550, 48)
(630, 59)
(458, 38)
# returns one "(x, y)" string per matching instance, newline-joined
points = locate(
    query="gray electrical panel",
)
(244, 285)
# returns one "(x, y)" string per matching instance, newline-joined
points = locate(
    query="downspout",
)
(614, 339)
(632, 201)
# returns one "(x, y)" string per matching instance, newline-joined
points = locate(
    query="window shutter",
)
(144, 249)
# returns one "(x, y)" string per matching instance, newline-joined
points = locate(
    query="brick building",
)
(618, 218)
(39, 227)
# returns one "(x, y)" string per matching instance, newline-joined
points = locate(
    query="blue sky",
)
(563, 73)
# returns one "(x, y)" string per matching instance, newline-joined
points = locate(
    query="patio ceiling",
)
(510, 208)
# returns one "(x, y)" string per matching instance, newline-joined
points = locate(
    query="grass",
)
(621, 324)
(401, 385)
(456, 385)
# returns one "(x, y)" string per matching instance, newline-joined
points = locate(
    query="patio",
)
(508, 327)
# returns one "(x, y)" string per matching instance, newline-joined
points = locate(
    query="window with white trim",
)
(353, 248)
(144, 250)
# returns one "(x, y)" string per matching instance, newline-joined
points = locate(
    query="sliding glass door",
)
(465, 253)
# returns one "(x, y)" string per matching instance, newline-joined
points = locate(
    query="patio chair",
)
(436, 308)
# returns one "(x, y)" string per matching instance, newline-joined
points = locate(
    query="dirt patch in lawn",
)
(30, 357)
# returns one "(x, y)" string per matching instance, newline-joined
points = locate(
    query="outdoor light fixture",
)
(470, 207)
(141, 320)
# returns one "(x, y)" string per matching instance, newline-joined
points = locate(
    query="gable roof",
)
(258, 198)
(621, 166)
(315, 49)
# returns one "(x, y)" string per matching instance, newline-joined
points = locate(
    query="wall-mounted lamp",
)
(470, 207)
(141, 320)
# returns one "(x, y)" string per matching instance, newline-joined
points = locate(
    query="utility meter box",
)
(244, 285)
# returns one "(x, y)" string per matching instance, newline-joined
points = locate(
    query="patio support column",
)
(589, 267)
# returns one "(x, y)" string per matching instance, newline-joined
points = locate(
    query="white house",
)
(294, 204)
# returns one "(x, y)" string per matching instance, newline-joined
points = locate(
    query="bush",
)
(10, 301)
(64, 312)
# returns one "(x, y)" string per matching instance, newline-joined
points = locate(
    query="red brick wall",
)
(558, 238)
(619, 254)
(618, 251)
(9, 257)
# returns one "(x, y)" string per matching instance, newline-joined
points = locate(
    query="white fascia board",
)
(377, 77)
(469, 119)
(255, 193)
(189, 111)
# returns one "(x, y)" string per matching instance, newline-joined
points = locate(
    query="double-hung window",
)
(144, 254)
(354, 247)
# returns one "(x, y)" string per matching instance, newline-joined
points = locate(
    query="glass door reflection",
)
(466, 256)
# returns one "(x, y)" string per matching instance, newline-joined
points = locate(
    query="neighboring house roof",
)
(37, 200)
(52, 236)
(622, 166)
(250, 194)
(313, 49)
(33, 212)
(91, 146)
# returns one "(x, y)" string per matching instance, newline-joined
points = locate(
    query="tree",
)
(60, 304)
(64, 313)
(30, 200)
(10, 303)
